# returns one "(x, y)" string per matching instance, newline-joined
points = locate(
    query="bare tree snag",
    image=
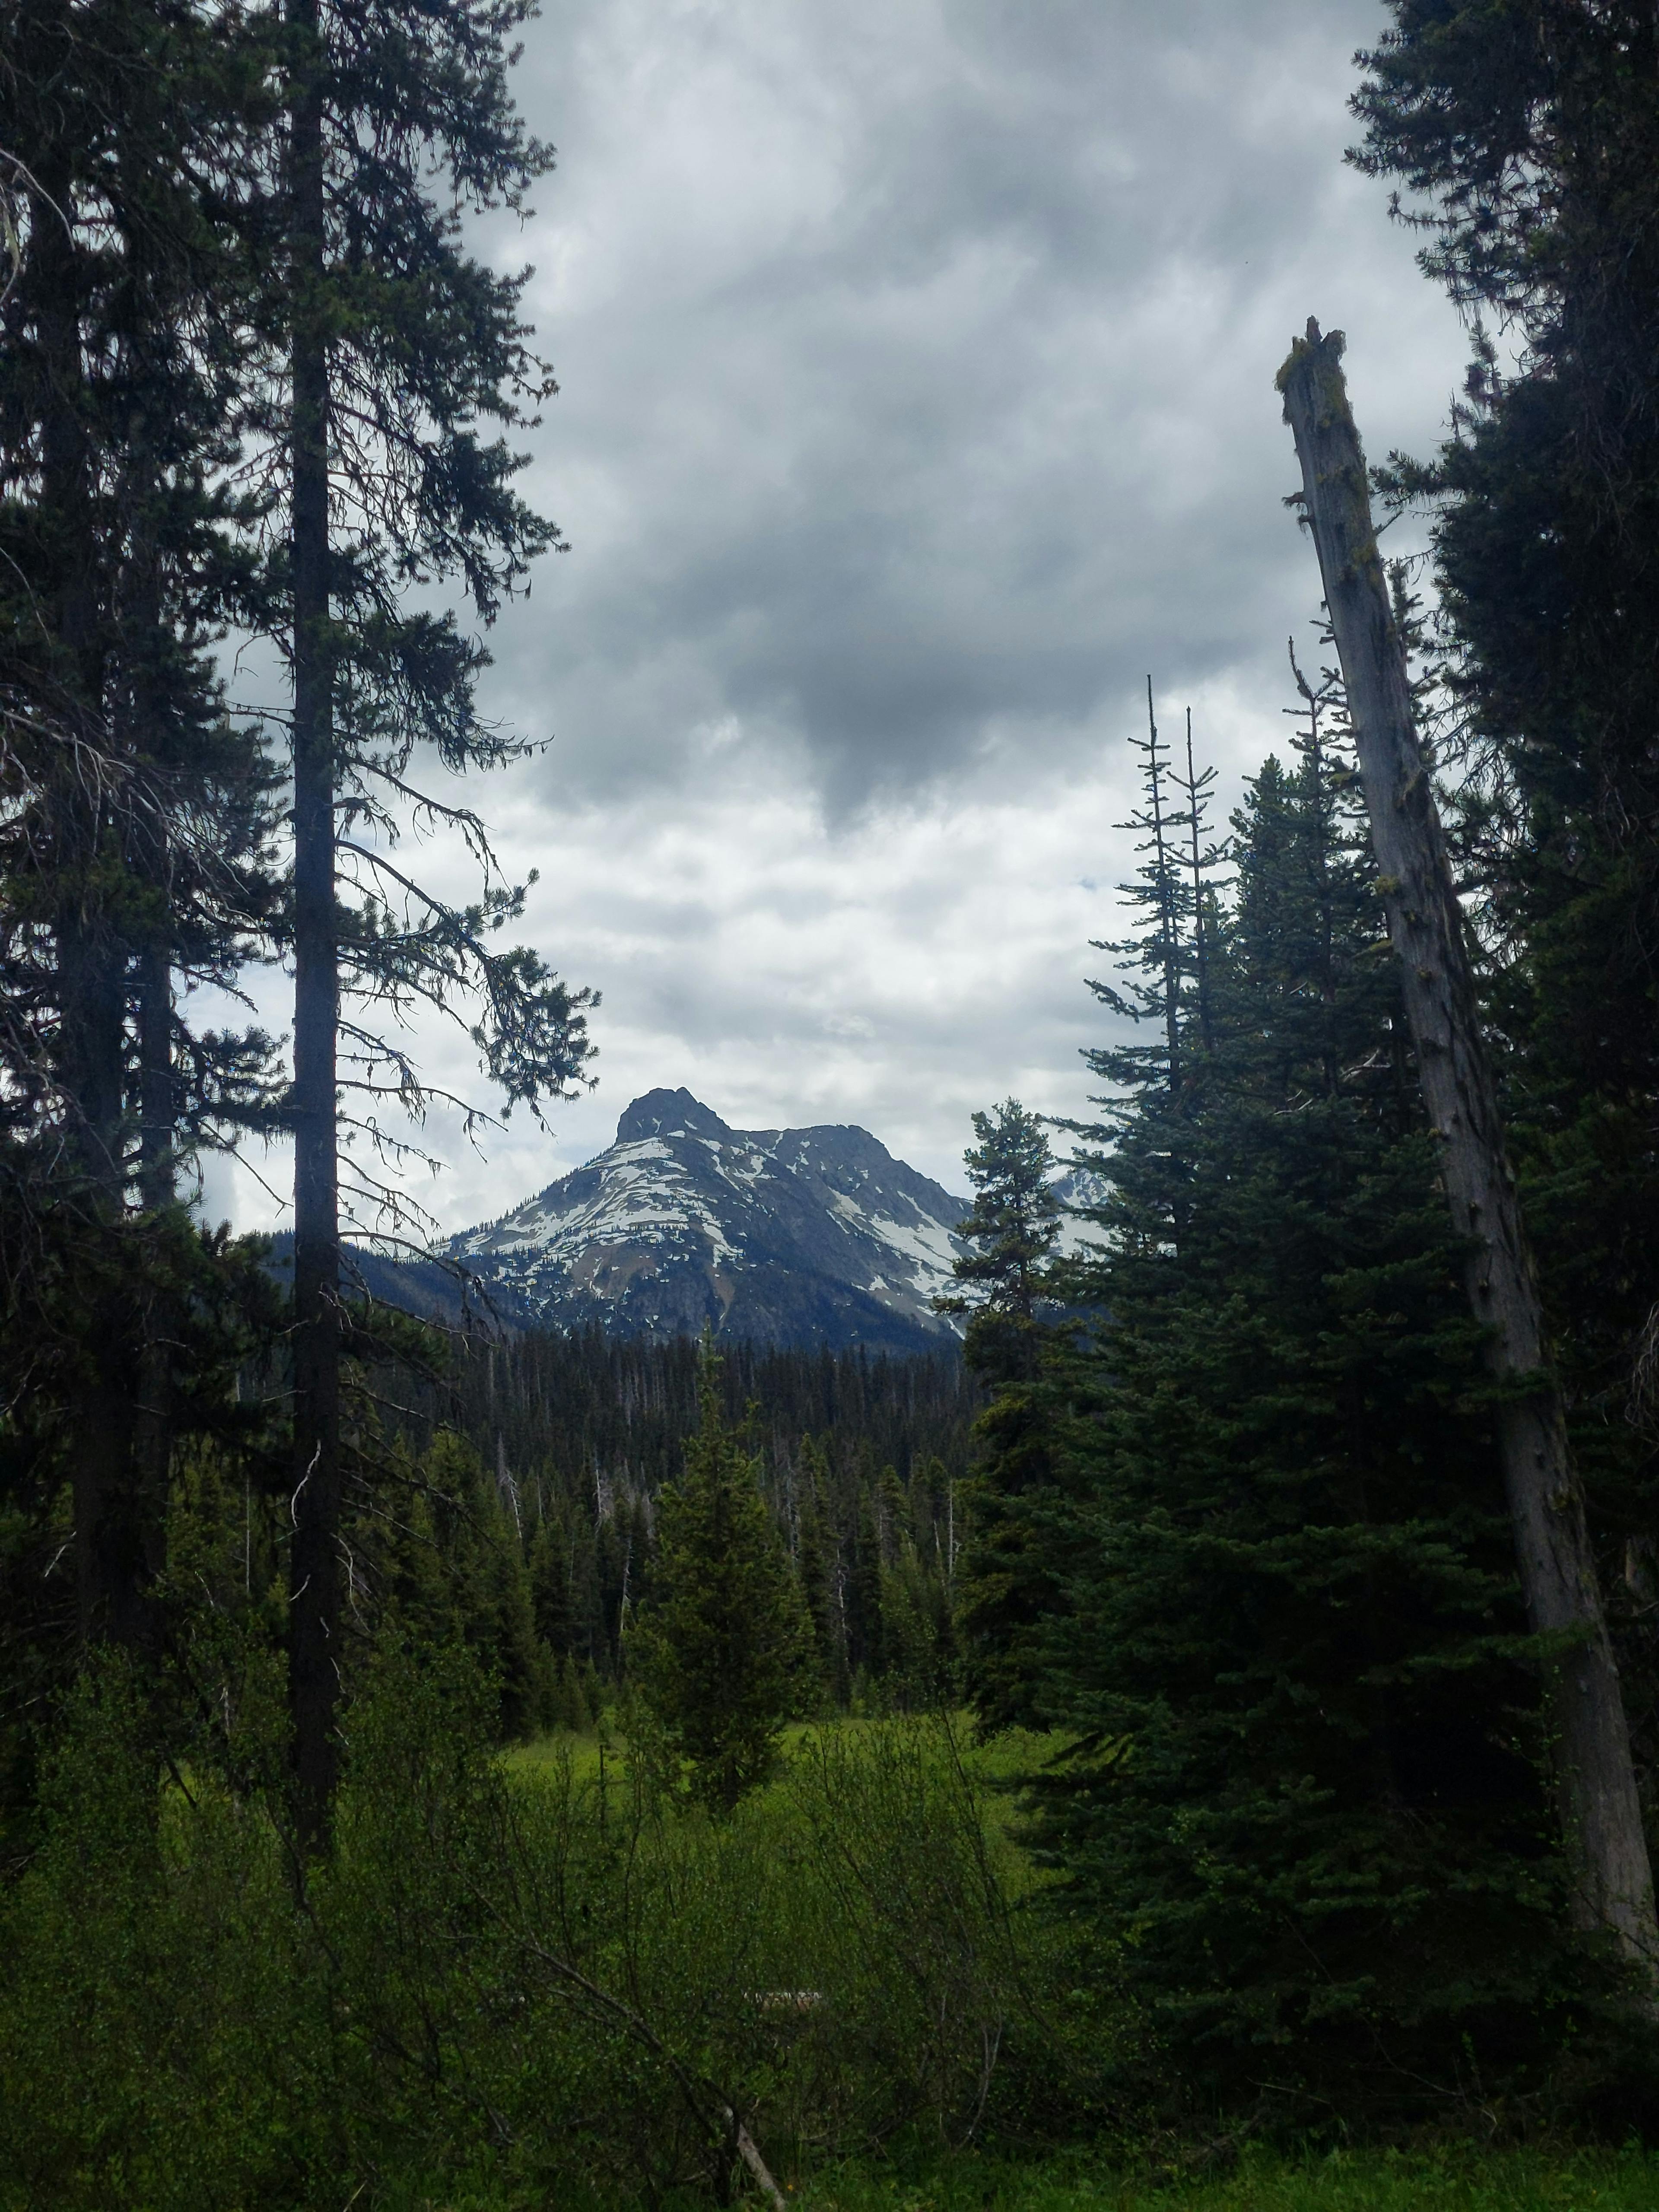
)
(1601, 1816)
(749, 2151)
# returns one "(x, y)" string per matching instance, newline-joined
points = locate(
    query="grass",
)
(545, 1751)
(1009, 1756)
(1453, 2179)
(1440, 2177)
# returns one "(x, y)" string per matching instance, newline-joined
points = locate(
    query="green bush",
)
(503, 1988)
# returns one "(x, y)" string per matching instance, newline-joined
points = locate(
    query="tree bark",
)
(314, 1567)
(152, 1423)
(1599, 1810)
(91, 957)
(1166, 909)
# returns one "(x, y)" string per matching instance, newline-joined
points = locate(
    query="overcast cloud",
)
(916, 364)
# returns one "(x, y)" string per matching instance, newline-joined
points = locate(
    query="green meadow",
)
(1455, 2178)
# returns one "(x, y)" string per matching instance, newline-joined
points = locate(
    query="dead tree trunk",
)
(1601, 1816)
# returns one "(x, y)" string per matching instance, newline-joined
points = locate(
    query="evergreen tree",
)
(1010, 1585)
(1177, 940)
(1014, 1221)
(867, 1626)
(134, 817)
(550, 1585)
(488, 1580)
(722, 1649)
(1293, 1656)
(390, 345)
(1526, 139)
(1158, 897)
(816, 1570)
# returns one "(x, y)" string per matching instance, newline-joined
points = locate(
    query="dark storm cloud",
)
(917, 367)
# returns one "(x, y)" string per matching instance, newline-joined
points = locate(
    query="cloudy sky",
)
(916, 360)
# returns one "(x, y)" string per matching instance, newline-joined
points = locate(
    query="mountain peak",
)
(668, 1114)
(783, 1236)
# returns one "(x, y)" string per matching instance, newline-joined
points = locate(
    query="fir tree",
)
(1525, 144)
(1293, 1654)
(815, 1569)
(1178, 941)
(866, 1627)
(549, 1586)
(1009, 1585)
(134, 815)
(722, 1649)
(390, 345)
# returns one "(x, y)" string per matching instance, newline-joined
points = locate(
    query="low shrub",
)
(566, 1983)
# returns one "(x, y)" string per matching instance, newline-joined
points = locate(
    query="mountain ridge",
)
(812, 1234)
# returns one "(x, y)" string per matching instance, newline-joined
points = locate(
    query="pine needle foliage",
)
(1522, 142)
(1010, 1585)
(1305, 1780)
(723, 1649)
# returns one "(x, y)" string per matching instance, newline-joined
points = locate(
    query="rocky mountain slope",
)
(785, 1236)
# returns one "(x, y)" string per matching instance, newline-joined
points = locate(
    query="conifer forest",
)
(1196, 1732)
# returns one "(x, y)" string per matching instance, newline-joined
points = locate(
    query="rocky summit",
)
(785, 1236)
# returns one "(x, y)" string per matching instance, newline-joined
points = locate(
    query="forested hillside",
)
(562, 1446)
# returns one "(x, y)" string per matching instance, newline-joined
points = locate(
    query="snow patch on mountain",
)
(815, 1235)
(789, 1236)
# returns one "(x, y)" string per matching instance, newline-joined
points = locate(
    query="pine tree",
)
(1294, 1655)
(1526, 142)
(1178, 940)
(134, 815)
(815, 1571)
(392, 343)
(549, 1586)
(867, 1625)
(722, 1648)
(1009, 1585)
(1161, 947)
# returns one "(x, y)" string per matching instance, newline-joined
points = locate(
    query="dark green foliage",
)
(1297, 1659)
(428, 367)
(136, 820)
(388, 347)
(820, 1589)
(1526, 137)
(1307, 1776)
(625, 1405)
(224, 1311)
(861, 1461)
(1009, 1586)
(722, 1646)
(1014, 1222)
(500, 1991)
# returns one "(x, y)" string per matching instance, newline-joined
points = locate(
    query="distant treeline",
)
(546, 1453)
(621, 1408)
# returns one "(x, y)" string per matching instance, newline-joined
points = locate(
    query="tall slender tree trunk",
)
(314, 1585)
(152, 1422)
(1166, 903)
(91, 958)
(1201, 923)
(1601, 1813)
